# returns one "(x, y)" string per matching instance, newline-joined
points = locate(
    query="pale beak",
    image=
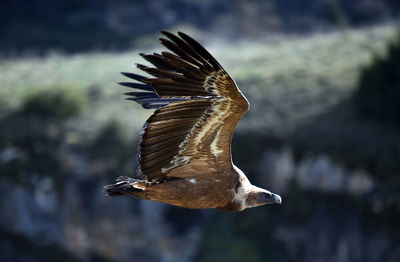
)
(275, 198)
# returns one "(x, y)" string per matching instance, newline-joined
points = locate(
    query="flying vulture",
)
(184, 153)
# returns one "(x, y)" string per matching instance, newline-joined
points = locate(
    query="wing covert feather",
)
(198, 106)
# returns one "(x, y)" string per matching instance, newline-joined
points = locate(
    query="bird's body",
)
(185, 148)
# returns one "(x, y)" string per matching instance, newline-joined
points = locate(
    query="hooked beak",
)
(275, 199)
(263, 197)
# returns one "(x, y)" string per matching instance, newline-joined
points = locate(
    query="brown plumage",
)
(185, 147)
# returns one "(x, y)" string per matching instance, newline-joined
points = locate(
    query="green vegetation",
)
(114, 145)
(64, 115)
(378, 94)
(34, 133)
(298, 88)
(112, 140)
(57, 103)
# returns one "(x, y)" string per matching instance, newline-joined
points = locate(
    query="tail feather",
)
(123, 185)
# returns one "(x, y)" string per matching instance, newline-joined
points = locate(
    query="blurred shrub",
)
(112, 141)
(32, 136)
(378, 94)
(55, 103)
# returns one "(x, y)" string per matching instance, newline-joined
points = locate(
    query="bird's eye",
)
(267, 195)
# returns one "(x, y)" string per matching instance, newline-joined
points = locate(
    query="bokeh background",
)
(323, 80)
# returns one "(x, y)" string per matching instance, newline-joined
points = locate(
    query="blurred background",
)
(323, 81)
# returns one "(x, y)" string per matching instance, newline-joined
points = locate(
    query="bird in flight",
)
(184, 153)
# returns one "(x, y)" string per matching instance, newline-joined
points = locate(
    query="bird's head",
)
(258, 197)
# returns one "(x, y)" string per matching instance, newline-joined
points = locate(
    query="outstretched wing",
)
(198, 106)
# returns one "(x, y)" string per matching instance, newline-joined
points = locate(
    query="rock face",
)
(85, 222)
(326, 215)
(337, 173)
(313, 172)
(329, 213)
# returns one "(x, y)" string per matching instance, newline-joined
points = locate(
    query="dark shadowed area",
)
(323, 131)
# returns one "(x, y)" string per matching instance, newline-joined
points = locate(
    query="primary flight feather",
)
(184, 153)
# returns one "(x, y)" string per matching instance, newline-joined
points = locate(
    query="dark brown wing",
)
(198, 106)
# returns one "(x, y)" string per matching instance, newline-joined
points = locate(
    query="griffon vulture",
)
(184, 154)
